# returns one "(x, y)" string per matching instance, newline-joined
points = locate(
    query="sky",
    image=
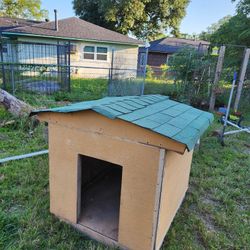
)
(203, 13)
(200, 13)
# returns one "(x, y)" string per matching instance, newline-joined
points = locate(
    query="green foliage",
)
(162, 87)
(243, 7)
(206, 35)
(164, 70)
(231, 30)
(149, 72)
(145, 19)
(192, 36)
(157, 37)
(234, 31)
(193, 71)
(30, 9)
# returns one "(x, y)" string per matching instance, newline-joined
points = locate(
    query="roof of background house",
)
(173, 44)
(75, 29)
(10, 23)
(157, 113)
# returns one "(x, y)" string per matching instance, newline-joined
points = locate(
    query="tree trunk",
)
(15, 106)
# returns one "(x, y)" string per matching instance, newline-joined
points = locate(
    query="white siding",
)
(124, 60)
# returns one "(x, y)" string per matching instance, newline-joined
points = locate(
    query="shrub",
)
(164, 70)
(193, 71)
(149, 72)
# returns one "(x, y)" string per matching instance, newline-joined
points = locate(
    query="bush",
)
(164, 70)
(149, 72)
(193, 71)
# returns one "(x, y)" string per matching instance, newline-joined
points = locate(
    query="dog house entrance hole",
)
(99, 195)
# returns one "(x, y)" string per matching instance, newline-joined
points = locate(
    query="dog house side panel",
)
(174, 187)
(140, 164)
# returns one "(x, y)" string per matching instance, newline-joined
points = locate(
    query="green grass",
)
(90, 89)
(81, 90)
(214, 214)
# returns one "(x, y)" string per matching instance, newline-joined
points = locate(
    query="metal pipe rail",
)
(19, 157)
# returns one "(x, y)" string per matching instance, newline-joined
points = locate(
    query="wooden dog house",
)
(119, 166)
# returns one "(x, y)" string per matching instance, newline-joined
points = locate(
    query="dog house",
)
(119, 166)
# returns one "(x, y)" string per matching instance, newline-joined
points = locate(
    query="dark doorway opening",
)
(99, 195)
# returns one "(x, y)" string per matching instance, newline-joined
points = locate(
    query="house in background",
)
(11, 23)
(91, 46)
(160, 50)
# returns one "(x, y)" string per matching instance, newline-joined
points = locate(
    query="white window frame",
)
(83, 53)
(100, 53)
(95, 53)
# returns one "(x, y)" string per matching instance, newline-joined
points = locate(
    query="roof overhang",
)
(158, 114)
(7, 33)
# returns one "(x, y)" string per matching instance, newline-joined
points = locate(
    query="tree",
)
(235, 31)
(192, 74)
(192, 36)
(206, 35)
(30, 9)
(243, 7)
(145, 19)
(231, 30)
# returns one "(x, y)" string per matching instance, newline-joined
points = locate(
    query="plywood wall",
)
(140, 164)
(175, 184)
(140, 152)
(99, 124)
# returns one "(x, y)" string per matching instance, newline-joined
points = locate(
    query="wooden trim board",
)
(162, 156)
(175, 183)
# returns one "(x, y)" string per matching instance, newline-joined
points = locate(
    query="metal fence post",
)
(112, 64)
(68, 67)
(109, 84)
(111, 73)
(58, 62)
(2, 65)
(144, 71)
(12, 69)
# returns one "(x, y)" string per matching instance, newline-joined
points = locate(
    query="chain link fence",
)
(189, 74)
(34, 67)
(40, 68)
(63, 71)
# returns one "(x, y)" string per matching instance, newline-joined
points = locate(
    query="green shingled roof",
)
(157, 113)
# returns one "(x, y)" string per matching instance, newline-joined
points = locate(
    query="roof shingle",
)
(75, 29)
(171, 119)
(173, 44)
(11, 23)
